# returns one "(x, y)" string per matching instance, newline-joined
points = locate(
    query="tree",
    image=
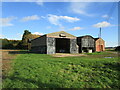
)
(26, 32)
(6, 44)
(18, 44)
(26, 37)
(24, 43)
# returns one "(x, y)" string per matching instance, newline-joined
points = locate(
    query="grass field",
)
(97, 70)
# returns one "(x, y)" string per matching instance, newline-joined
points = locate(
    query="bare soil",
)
(6, 60)
(111, 54)
(67, 55)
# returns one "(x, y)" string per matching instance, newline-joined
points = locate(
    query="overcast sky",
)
(73, 17)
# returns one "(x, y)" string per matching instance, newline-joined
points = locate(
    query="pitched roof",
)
(60, 34)
(32, 36)
(98, 38)
(85, 36)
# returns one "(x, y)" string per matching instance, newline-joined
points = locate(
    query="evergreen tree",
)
(24, 42)
(24, 39)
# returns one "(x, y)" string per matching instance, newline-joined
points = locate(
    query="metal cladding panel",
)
(41, 41)
(88, 42)
(39, 49)
(50, 45)
(73, 46)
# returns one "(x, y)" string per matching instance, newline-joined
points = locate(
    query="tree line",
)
(18, 44)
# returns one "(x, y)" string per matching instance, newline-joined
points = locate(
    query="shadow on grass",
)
(114, 66)
(23, 52)
(18, 52)
(38, 83)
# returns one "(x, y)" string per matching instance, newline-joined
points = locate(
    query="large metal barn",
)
(58, 42)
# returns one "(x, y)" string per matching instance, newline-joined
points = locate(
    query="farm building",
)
(86, 44)
(29, 37)
(99, 44)
(58, 42)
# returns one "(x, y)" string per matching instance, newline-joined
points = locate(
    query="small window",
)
(62, 35)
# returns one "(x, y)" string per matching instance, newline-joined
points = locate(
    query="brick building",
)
(99, 44)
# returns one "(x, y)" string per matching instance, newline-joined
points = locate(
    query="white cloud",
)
(37, 33)
(102, 24)
(80, 8)
(39, 2)
(29, 18)
(105, 16)
(6, 21)
(54, 19)
(43, 17)
(69, 19)
(76, 28)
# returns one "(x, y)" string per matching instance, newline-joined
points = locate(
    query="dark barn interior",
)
(62, 45)
(85, 49)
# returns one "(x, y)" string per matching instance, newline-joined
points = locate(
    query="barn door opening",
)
(99, 48)
(62, 45)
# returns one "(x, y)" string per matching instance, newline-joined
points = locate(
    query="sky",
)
(76, 18)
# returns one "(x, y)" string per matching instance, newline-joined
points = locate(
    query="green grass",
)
(45, 71)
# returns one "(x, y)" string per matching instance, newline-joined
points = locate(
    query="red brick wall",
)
(100, 45)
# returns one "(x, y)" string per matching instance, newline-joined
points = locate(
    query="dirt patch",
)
(113, 52)
(110, 54)
(7, 56)
(66, 55)
(8, 50)
(6, 60)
